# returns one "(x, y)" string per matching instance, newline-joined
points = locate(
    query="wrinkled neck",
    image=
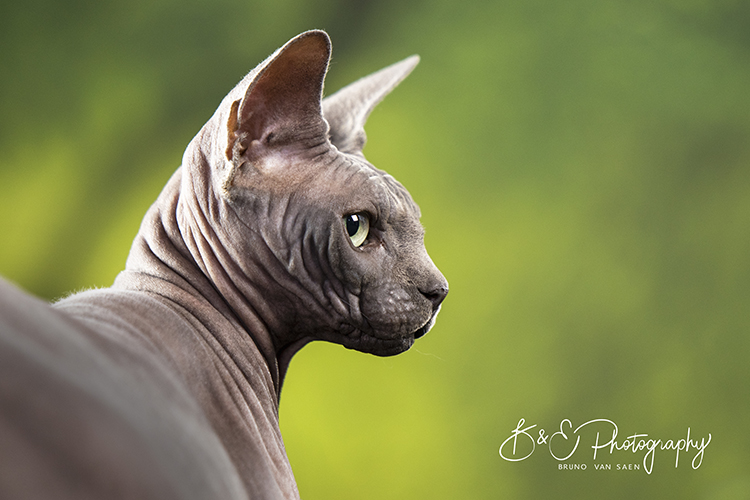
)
(179, 254)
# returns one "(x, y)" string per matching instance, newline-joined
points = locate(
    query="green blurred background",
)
(583, 169)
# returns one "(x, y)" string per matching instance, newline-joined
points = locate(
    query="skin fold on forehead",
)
(351, 184)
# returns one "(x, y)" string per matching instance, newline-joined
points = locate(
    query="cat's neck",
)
(177, 255)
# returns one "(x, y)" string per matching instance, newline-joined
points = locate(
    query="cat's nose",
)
(436, 294)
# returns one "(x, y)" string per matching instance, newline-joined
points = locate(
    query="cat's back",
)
(89, 409)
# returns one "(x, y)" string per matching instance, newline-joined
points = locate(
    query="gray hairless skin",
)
(274, 232)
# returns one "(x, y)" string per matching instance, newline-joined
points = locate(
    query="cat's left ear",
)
(282, 99)
(347, 110)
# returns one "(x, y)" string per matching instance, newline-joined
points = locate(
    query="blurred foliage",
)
(583, 169)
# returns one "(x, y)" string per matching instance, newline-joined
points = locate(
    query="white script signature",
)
(561, 442)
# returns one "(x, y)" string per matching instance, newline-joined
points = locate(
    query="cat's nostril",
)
(436, 295)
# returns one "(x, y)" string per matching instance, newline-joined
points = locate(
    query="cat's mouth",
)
(422, 331)
(369, 341)
(427, 326)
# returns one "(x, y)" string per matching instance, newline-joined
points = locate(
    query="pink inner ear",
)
(287, 92)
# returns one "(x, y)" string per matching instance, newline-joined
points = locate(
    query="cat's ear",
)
(347, 110)
(281, 104)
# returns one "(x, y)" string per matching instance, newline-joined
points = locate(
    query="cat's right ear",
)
(281, 104)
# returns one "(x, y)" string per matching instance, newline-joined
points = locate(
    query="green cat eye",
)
(357, 227)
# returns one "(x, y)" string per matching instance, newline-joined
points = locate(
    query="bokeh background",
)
(583, 169)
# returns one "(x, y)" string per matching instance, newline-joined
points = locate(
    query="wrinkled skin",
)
(376, 298)
(284, 180)
(166, 385)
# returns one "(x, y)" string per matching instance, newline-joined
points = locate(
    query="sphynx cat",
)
(274, 232)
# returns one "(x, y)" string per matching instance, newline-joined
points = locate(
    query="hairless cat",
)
(274, 232)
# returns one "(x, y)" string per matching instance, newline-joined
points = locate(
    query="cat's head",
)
(336, 243)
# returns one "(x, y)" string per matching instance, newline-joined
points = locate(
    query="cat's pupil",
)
(352, 225)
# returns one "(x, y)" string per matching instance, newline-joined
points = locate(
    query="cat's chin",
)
(380, 347)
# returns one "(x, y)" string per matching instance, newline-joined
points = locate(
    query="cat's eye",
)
(357, 227)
